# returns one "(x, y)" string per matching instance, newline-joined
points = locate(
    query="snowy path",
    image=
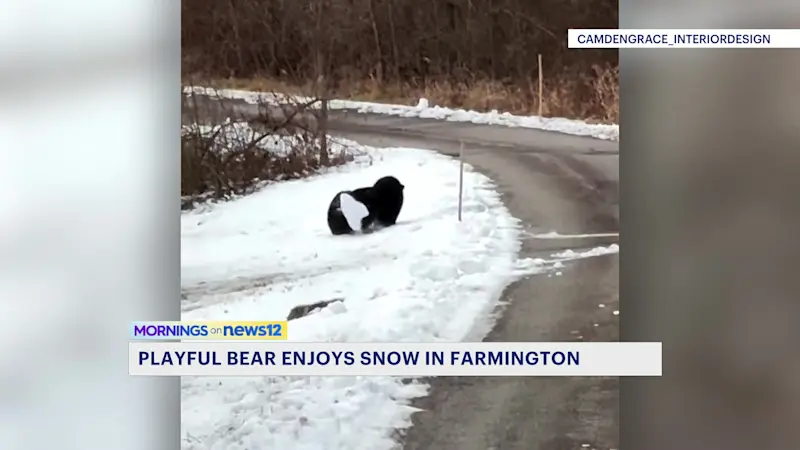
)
(428, 278)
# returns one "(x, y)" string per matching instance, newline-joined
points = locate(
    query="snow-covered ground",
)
(429, 278)
(424, 110)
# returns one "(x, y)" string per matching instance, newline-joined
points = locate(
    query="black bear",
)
(365, 208)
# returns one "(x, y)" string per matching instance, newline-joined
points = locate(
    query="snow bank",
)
(425, 111)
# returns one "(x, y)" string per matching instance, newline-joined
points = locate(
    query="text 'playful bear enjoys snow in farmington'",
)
(367, 208)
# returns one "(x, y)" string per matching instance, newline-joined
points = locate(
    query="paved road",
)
(551, 182)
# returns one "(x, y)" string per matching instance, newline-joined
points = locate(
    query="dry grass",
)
(594, 98)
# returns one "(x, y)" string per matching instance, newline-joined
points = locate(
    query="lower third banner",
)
(568, 359)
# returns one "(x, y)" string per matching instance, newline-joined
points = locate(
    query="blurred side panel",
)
(89, 220)
(711, 232)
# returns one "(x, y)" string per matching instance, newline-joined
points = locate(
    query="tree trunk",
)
(377, 38)
(322, 91)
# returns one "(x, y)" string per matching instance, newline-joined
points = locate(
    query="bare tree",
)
(333, 43)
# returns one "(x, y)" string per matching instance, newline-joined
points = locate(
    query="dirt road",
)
(551, 182)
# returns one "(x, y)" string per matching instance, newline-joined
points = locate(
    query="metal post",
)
(460, 179)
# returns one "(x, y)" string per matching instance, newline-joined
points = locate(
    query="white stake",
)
(460, 179)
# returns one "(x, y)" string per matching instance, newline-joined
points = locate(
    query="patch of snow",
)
(556, 261)
(429, 278)
(425, 111)
(557, 235)
(597, 251)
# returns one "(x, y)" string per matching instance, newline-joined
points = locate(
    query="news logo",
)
(214, 331)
